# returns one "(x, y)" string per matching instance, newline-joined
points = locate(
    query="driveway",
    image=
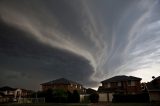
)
(99, 104)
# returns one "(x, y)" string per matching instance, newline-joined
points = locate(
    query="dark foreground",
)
(91, 104)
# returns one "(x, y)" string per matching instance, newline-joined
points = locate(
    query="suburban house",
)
(85, 97)
(8, 94)
(64, 84)
(119, 85)
(153, 89)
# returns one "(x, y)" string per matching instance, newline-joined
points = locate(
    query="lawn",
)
(81, 104)
(47, 104)
(135, 104)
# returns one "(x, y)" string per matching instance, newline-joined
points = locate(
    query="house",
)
(153, 89)
(90, 91)
(64, 84)
(118, 85)
(9, 94)
(85, 97)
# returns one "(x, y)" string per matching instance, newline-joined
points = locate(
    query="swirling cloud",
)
(99, 38)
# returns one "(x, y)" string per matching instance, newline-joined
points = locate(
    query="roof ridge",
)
(120, 78)
(61, 80)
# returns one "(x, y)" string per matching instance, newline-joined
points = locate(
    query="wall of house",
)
(69, 87)
(84, 98)
(130, 87)
(134, 88)
(154, 96)
(57, 86)
(105, 97)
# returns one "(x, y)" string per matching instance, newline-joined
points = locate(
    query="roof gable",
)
(154, 85)
(7, 88)
(121, 78)
(60, 81)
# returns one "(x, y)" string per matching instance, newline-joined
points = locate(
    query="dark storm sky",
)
(82, 40)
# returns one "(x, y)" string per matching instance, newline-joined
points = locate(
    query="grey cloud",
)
(86, 41)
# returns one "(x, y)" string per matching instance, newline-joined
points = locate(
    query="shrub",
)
(94, 97)
(75, 97)
(143, 97)
(59, 96)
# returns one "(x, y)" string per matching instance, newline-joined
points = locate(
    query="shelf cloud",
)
(85, 41)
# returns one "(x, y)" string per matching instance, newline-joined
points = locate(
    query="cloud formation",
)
(85, 41)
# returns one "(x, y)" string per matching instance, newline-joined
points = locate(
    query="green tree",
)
(49, 95)
(75, 97)
(69, 97)
(60, 96)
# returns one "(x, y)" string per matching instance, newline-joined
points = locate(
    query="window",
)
(129, 83)
(132, 83)
(80, 87)
(108, 85)
(119, 83)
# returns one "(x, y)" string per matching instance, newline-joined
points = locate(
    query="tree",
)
(49, 95)
(69, 97)
(75, 97)
(60, 96)
(94, 97)
(153, 77)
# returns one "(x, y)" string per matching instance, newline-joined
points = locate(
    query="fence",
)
(31, 100)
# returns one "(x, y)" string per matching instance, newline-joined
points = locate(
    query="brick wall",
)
(66, 87)
(129, 87)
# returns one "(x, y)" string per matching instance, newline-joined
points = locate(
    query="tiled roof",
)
(6, 88)
(90, 91)
(60, 81)
(121, 78)
(154, 85)
(157, 78)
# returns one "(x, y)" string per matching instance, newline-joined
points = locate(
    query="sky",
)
(86, 41)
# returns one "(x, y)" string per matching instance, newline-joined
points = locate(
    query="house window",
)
(119, 83)
(129, 83)
(108, 85)
(132, 83)
(80, 87)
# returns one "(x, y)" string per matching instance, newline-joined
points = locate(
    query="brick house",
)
(64, 84)
(120, 85)
(153, 88)
(9, 94)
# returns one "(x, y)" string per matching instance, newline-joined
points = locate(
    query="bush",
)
(48, 96)
(58, 96)
(69, 97)
(144, 97)
(75, 97)
(94, 97)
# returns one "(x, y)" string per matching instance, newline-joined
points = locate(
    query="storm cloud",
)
(86, 41)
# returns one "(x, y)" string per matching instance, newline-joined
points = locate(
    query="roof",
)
(60, 81)
(121, 78)
(6, 88)
(154, 85)
(157, 78)
(90, 91)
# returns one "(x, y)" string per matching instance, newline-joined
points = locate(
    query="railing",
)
(31, 100)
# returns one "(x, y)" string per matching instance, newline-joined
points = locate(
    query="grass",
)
(48, 104)
(83, 104)
(135, 104)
